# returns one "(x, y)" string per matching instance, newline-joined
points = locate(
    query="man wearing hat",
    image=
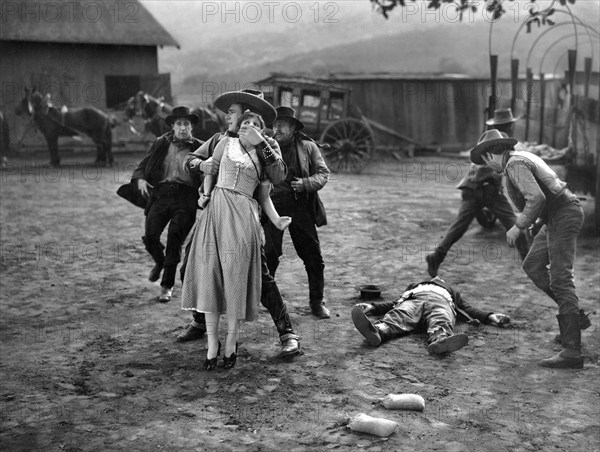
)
(172, 196)
(480, 188)
(198, 163)
(537, 192)
(296, 197)
(432, 304)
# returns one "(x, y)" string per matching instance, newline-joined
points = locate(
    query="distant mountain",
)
(220, 53)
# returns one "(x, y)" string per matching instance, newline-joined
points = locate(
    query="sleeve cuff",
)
(523, 221)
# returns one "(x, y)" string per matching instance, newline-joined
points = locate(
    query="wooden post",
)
(587, 67)
(514, 77)
(542, 106)
(528, 91)
(572, 55)
(597, 192)
(571, 74)
(494, 79)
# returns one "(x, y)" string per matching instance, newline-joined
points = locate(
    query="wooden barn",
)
(81, 53)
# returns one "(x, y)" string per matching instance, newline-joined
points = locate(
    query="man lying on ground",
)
(434, 304)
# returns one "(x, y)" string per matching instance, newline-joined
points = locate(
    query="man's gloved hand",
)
(365, 307)
(499, 319)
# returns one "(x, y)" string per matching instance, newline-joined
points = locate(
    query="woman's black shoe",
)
(228, 363)
(211, 363)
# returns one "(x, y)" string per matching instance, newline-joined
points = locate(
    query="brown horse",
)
(59, 122)
(155, 110)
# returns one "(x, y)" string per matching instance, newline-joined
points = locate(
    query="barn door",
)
(157, 85)
(119, 88)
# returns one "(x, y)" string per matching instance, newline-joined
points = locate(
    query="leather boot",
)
(366, 327)
(570, 356)
(434, 260)
(584, 324)
(290, 344)
(441, 342)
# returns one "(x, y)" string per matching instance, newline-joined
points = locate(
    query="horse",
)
(155, 110)
(56, 122)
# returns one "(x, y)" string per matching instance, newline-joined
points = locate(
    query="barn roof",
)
(299, 79)
(117, 22)
(349, 76)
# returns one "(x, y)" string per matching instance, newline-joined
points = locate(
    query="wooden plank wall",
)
(447, 113)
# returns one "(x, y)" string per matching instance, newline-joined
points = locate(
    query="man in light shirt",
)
(537, 192)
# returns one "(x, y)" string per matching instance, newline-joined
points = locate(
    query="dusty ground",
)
(89, 360)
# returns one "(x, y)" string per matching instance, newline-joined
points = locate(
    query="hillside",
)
(220, 53)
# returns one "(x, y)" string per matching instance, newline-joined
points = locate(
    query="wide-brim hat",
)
(492, 141)
(252, 97)
(501, 116)
(289, 114)
(181, 113)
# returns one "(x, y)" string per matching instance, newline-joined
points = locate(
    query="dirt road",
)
(89, 360)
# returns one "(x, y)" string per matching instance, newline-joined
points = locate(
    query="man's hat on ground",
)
(181, 113)
(492, 141)
(501, 116)
(252, 97)
(289, 114)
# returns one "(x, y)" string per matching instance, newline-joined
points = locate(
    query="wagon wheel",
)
(351, 145)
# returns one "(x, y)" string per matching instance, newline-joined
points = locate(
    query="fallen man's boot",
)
(442, 343)
(570, 356)
(365, 327)
(191, 333)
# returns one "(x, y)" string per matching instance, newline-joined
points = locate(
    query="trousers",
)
(427, 310)
(549, 263)
(305, 239)
(175, 205)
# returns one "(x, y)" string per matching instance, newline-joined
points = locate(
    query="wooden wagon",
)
(328, 114)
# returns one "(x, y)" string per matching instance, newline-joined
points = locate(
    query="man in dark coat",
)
(433, 304)
(172, 196)
(295, 197)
